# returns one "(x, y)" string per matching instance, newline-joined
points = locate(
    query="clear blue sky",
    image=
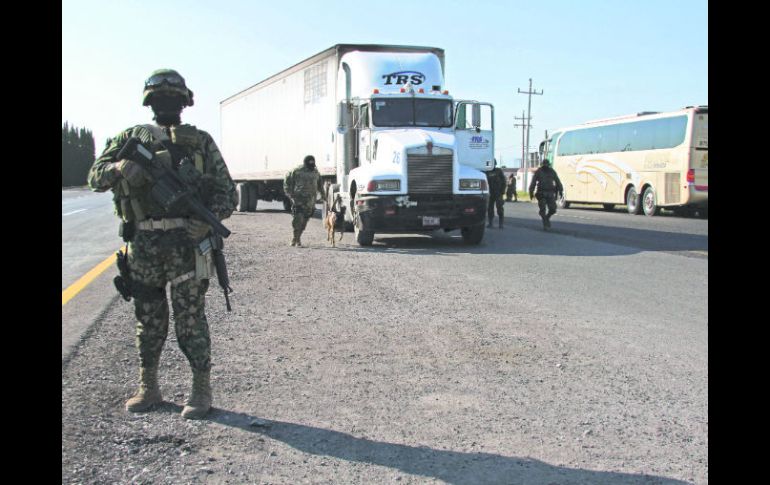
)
(591, 58)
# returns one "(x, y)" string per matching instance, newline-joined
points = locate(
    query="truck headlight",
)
(473, 184)
(379, 185)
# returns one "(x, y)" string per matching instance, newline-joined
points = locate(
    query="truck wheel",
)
(363, 237)
(243, 192)
(252, 189)
(473, 234)
(632, 202)
(648, 202)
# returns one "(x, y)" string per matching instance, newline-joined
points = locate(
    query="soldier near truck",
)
(548, 186)
(496, 181)
(302, 186)
(510, 191)
(162, 241)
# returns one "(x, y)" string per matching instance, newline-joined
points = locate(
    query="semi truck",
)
(395, 150)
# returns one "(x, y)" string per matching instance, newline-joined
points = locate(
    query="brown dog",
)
(331, 220)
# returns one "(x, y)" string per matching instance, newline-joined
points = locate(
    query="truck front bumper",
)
(393, 214)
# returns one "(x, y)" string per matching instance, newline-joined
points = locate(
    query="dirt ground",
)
(357, 365)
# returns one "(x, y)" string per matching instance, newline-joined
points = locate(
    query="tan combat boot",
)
(148, 393)
(199, 403)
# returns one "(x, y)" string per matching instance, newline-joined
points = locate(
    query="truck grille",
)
(429, 174)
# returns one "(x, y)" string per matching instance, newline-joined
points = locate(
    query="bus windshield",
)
(412, 112)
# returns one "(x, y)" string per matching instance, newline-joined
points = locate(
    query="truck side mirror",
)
(476, 117)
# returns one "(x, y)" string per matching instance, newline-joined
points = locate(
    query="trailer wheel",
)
(473, 235)
(252, 189)
(247, 197)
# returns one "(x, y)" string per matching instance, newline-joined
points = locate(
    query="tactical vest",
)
(496, 181)
(305, 183)
(134, 204)
(547, 179)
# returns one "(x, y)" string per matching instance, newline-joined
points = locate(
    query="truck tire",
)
(473, 234)
(246, 195)
(363, 237)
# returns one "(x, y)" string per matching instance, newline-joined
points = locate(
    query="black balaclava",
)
(167, 109)
(309, 162)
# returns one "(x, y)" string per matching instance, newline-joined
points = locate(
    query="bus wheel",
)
(632, 202)
(648, 203)
(562, 202)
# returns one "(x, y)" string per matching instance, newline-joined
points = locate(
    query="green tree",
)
(77, 155)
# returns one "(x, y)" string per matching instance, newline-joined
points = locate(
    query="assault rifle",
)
(168, 189)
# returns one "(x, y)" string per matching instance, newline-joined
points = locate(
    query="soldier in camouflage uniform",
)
(510, 191)
(162, 246)
(496, 181)
(302, 185)
(548, 187)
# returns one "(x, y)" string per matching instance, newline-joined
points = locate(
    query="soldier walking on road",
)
(496, 181)
(302, 185)
(162, 243)
(510, 191)
(548, 186)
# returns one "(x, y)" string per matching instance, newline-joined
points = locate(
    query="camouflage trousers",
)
(301, 212)
(546, 199)
(156, 258)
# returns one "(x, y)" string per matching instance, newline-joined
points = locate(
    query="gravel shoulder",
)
(402, 363)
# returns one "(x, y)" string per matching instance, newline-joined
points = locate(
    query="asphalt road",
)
(89, 232)
(564, 357)
(685, 236)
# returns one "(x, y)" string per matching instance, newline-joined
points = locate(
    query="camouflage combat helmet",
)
(166, 81)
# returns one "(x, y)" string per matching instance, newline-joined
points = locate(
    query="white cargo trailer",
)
(388, 139)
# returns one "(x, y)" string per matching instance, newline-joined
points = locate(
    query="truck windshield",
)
(412, 112)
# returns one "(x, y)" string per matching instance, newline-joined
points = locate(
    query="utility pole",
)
(529, 117)
(523, 125)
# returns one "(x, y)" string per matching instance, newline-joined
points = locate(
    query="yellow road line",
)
(86, 279)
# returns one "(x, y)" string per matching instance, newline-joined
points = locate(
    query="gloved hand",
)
(532, 196)
(132, 172)
(196, 229)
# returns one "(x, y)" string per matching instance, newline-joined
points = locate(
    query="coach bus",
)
(646, 161)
